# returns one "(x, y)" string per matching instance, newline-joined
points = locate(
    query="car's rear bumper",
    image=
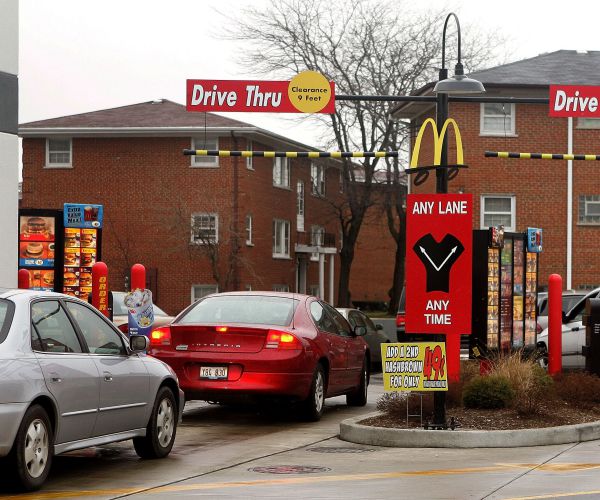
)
(11, 415)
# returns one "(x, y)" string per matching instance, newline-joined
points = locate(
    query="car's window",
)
(402, 303)
(250, 309)
(542, 307)
(321, 318)
(576, 313)
(368, 323)
(98, 335)
(354, 319)
(51, 330)
(341, 324)
(569, 301)
(7, 309)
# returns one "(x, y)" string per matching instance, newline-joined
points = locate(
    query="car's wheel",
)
(161, 430)
(542, 357)
(314, 405)
(31, 454)
(359, 396)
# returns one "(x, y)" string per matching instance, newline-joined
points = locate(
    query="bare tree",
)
(367, 47)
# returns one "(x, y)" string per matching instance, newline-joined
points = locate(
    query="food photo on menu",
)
(36, 253)
(88, 238)
(36, 228)
(72, 237)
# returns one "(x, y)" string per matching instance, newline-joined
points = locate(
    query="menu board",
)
(506, 292)
(80, 251)
(530, 297)
(37, 240)
(518, 292)
(493, 302)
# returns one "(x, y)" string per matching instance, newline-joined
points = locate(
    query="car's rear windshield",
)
(249, 309)
(7, 309)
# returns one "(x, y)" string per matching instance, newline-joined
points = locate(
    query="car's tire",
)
(31, 455)
(359, 396)
(314, 405)
(162, 427)
(542, 357)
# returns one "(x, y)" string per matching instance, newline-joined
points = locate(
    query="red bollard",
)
(24, 279)
(555, 324)
(138, 277)
(100, 287)
(453, 357)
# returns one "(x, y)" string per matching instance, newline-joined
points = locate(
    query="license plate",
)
(213, 372)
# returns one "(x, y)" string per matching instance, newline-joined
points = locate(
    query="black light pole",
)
(458, 84)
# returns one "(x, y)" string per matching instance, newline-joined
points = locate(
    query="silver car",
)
(69, 379)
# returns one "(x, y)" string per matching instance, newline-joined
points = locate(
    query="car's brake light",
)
(400, 320)
(221, 329)
(282, 340)
(160, 336)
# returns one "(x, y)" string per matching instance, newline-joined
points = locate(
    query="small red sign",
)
(259, 96)
(439, 236)
(578, 101)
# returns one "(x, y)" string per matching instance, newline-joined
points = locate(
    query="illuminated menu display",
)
(493, 300)
(37, 240)
(530, 297)
(80, 250)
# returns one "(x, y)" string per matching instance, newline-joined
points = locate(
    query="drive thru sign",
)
(438, 263)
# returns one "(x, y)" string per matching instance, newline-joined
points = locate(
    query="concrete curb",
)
(351, 430)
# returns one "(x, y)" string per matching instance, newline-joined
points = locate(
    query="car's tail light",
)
(282, 340)
(538, 328)
(400, 320)
(160, 336)
(221, 329)
(124, 328)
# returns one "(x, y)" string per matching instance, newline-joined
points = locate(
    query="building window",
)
(497, 119)
(207, 143)
(281, 288)
(199, 291)
(249, 230)
(249, 159)
(248, 288)
(300, 206)
(498, 210)
(205, 229)
(589, 209)
(590, 123)
(317, 237)
(58, 152)
(281, 238)
(317, 178)
(281, 172)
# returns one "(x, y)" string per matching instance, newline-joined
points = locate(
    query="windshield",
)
(119, 308)
(576, 313)
(7, 309)
(251, 309)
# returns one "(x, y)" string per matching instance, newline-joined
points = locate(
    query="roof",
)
(563, 67)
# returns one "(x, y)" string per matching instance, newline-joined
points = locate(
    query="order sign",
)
(416, 366)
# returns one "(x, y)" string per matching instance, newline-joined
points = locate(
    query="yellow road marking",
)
(502, 467)
(558, 495)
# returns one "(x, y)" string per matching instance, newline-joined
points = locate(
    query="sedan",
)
(69, 380)
(266, 345)
(573, 335)
(374, 336)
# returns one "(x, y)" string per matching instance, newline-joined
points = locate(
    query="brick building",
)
(529, 193)
(200, 224)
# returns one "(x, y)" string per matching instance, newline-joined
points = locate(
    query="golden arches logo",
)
(437, 142)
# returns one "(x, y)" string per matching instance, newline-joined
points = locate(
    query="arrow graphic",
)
(424, 252)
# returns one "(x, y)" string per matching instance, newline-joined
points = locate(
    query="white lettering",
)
(438, 319)
(423, 207)
(437, 305)
(560, 100)
(453, 207)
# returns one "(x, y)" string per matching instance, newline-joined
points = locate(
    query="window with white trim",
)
(58, 152)
(281, 172)
(498, 210)
(589, 209)
(317, 179)
(205, 228)
(249, 230)
(589, 123)
(497, 118)
(281, 288)
(207, 143)
(199, 291)
(249, 159)
(300, 206)
(317, 238)
(281, 238)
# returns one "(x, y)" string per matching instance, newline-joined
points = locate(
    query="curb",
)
(351, 430)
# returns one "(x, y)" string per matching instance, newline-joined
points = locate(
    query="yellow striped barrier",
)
(540, 156)
(291, 154)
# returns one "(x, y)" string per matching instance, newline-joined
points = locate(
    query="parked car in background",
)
(573, 335)
(70, 380)
(121, 318)
(266, 345)
(401, 316)
(374, 336)
(569, 299)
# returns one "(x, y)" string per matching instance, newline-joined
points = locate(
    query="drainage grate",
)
(339, 449)
(290, 469)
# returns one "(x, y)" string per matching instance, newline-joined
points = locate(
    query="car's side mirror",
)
(360, 331)
(378, 326)
(138, 343)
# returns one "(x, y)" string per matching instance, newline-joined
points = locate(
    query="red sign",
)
(579, 101)
(439, 236)
(262, 96)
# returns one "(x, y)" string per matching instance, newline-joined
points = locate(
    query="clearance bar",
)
(540, 156)
(292, 154)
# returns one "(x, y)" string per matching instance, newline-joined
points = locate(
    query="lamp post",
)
(458, 84)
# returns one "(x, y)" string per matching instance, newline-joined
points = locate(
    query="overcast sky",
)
(85, 55)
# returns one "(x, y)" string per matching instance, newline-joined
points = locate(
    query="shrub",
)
(394, 403)
(469, 369)
(579, 388)
(492, 391)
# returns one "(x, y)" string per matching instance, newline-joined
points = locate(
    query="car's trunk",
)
(201, 338)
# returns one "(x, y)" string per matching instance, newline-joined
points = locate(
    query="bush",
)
(579, 388)
(492, 391)
(394, 403)
(469, 369)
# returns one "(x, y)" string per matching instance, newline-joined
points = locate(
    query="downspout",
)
(569, 204)
(236, 234)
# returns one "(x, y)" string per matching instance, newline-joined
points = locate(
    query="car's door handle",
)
(57, 379)
(107, 377)
(575, 329)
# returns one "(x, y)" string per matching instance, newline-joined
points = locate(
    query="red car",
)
(265, 345)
